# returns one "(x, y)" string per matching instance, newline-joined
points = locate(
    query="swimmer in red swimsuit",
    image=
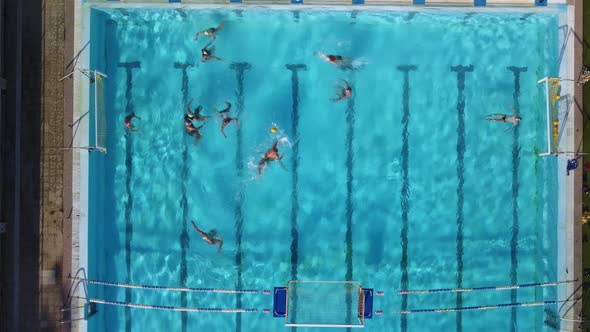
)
(212, 237)
(336, 60)
(271, 154)
(344, 91)
(128, 123)
(225, 119)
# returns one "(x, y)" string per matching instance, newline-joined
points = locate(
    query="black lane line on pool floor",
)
(129, 66)
(184, 241)
(295, 68)
(349, 204)
(405, 190)
(460, 70)
(515, 163)
(240, 68)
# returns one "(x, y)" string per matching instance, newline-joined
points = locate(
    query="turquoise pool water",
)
(403, 186)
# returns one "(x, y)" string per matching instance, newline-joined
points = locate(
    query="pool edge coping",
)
(79, 160)
(575, 182)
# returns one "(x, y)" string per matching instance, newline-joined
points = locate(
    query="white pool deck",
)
(570, 188)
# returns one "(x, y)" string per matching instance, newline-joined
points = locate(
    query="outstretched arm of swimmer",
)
(281, 163)
(197, 36)
(321, 55)
(198, 230)
(188, 107)
(220, 26)
(260, 165)
(340, 97)
(513, 125)
(222, 129)
(220, 241)
(225, 110)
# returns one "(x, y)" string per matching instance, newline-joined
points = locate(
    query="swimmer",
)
(196, 134)
(210, 32)
(207, 54)
(191, 129)
(225, 118)
(188, 124)
(128, 123)
(212, 237)
(584, 76)
(496, 117)
(196, 114)
(336, 60)
(271, 154)
(344, 91)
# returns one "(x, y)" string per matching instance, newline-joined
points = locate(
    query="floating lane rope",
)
(175, 289)
(492, 288)
(168, 308)
(487, 307)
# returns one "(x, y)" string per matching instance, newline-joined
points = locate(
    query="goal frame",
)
(550, 118)
(360, 305)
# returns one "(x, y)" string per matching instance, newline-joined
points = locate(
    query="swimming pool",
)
(402, 186)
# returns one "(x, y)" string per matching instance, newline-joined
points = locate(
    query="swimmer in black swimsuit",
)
(196, 114)
(211, 237)
(225, 119)
(497, 117)
(128, 123)
(210, 32)
(343, 91)
(207, 54)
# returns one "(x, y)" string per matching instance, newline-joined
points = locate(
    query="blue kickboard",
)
(235, 1)
(419, 2)
(479, 3)
(541, 2)
(279, 306)
(358, 2)
(368, 292)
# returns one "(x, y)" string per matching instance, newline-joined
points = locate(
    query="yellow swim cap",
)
(557, 96)
(273, 130)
